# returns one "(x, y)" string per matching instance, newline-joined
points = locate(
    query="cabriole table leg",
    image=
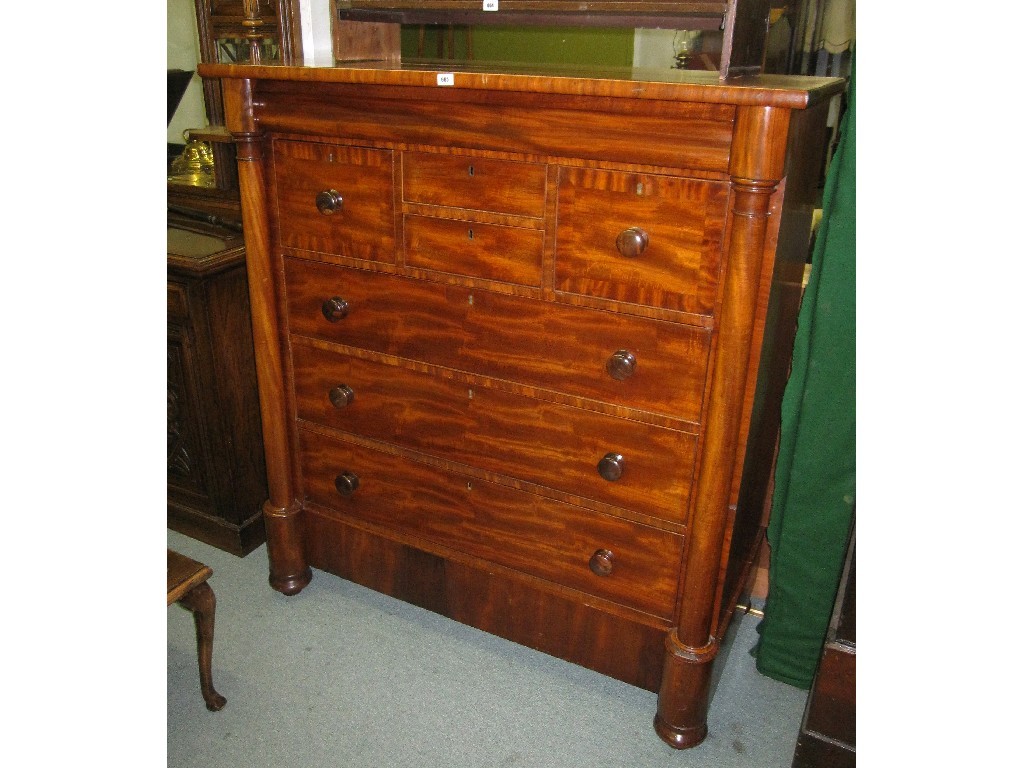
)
(186, 585)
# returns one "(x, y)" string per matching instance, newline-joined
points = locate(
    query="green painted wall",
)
(531, 45)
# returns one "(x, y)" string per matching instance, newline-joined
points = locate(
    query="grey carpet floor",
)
(339, 675)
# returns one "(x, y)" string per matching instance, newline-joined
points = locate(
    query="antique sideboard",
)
(216, 478)
(521, 338)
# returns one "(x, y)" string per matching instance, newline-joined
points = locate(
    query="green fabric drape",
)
(815, 476)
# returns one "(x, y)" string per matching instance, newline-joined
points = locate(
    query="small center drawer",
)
(616, 559)
(482, 184)
(612, 460)
(473, 249)
(335, 199)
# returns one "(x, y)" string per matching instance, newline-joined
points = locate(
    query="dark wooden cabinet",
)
(216, 472)
(828, 733)
(520, 334)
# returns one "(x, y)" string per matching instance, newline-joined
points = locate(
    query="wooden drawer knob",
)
(334, 309)
(611, 466)
(602, 562)
(329, 201)
(621, 365)
(341, 395)
(346, 483)
(632, 242)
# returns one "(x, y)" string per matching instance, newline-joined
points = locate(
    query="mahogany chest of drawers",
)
(521, 341)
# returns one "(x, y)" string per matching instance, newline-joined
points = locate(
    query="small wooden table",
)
(186, 584)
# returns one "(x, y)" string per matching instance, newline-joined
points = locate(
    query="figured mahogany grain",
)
(364, 225)
(474, 249)
(682, 220)
(505, 336)
(527, 611)
(538, 536)
(544, 443)
(477, 183)
(687, 135)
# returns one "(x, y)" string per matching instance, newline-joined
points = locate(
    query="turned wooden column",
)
(756, 167)
(289, 571)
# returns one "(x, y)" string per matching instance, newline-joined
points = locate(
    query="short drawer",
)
(640, 238)
(335, 199)
(508, 254)
(474, 183)
(624, 360)
(646, 468)
(542, 537)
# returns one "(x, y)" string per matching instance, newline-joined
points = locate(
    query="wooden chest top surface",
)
(611, 82)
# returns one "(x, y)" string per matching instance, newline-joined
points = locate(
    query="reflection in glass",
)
(238, 50)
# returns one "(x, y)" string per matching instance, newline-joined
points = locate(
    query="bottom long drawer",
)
(619, 560)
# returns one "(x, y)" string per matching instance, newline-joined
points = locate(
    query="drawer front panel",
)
(518, 530)
(508, 254)
(475, 183)
(545, 443)
(640, 238)
(177, 301)
(556, 347)
(647, 132)
(362, 225)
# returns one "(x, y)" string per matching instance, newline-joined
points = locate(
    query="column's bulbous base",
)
(291, 584)
(680, 738)
(682, 718)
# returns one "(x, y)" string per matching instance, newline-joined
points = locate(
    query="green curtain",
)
(812, 506)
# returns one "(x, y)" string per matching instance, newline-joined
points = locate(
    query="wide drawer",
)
(335, 199)
(646, 468)
(567, 349)
(473, 249)
(475, 183)
(539, 536)
(640, 238)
